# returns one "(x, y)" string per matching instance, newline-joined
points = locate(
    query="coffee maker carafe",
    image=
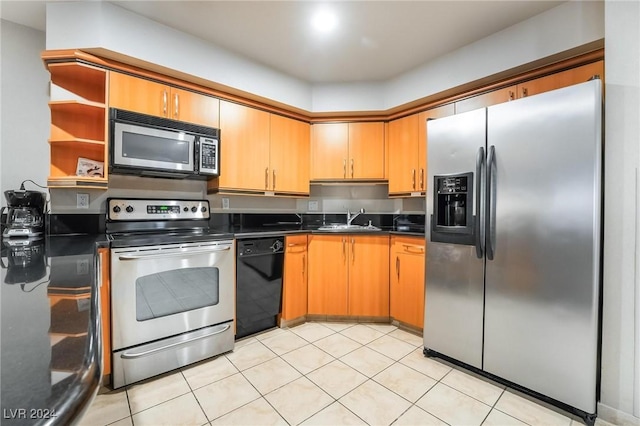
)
(25, 214)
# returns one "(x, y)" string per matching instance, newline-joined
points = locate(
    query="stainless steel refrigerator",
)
(513, 243)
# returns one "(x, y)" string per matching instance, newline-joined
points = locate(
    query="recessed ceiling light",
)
(324, 21)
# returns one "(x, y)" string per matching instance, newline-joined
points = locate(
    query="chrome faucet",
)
(350, 217)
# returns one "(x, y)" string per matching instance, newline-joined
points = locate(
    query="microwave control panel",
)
(209, 156)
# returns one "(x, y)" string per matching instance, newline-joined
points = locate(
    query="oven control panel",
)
(125, 209)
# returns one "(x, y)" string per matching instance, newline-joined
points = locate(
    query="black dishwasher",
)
(258, 284)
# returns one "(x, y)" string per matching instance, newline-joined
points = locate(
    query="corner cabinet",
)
(348, 151)
(161, 100)
(349, 275)
(408, 151)
(261, 152)
(78, 123)
(407, 280)
(294, 292)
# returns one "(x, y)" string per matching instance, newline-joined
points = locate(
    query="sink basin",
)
(343, 227)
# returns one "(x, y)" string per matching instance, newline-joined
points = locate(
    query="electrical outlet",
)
(225, 203)
(82, 201)
(313, 206)
(82, 267)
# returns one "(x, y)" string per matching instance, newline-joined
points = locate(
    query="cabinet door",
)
(327, 280)
(403, 152)
(244, 148)
(105, 309)
(407, 281)
(366, 151)
(561, 79)
(294, 292)
(289, 155)
(369, 275)
(433, 113)
(138, 95)
(329, 150)
(194, 107)
(499, 96)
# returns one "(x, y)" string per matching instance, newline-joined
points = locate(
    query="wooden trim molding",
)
(104, 58)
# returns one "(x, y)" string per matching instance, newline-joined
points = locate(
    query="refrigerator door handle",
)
(490, 203)
(480, 164)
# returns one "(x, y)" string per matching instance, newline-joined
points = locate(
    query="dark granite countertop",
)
(51, 350)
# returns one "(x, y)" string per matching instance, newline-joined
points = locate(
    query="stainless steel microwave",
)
(146, 145)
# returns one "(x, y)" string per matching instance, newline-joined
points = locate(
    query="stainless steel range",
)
(172, 286)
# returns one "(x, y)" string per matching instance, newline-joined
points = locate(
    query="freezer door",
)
(542, 287)
(454, 274)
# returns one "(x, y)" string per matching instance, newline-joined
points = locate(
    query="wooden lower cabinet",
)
(328, 275)
(349, 275)
(294, 292)
(406, 279)
(105, 309)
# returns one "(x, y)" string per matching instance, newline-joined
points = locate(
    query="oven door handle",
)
(133, 354)
(172, 254)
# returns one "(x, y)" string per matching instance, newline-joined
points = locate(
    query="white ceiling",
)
(373, 41)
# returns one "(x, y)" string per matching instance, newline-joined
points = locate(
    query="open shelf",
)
(78, 123)
(86, 81)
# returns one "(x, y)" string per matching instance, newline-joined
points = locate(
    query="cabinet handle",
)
(274, 179)
(413, 178)
(398, 267)
(344, 253)
(409, 247)
(512, 95)
(352, 168)
(266, 178)
(303, 264)
(525, 92)
(353, 250)
(421, 178)
(164, 102)
(176, 100)
(344, 168)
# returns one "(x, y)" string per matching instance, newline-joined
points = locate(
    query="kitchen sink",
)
(343, 227)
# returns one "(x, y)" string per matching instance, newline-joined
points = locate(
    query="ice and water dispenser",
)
(452, 220)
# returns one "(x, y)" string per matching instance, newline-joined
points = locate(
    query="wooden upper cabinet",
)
(561, 79)
(289, 155)
(403, 155)
(149, 97)
(138, 95)
(195, 108)
(366, 151)
(343, 151)
(244, 148)
(499, 96)
(294, 292)
(329, 150)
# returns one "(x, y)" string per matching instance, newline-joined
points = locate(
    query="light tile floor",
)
(322, 374)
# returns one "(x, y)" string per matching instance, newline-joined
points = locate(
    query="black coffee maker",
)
(25, 214)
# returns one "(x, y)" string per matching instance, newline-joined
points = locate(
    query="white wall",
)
(24, 113)
(620, 394)
(99, 24)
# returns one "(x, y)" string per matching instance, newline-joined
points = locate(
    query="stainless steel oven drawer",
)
(144, 361)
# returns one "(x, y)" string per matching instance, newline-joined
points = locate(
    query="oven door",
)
(152, 149)
(163, 291)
